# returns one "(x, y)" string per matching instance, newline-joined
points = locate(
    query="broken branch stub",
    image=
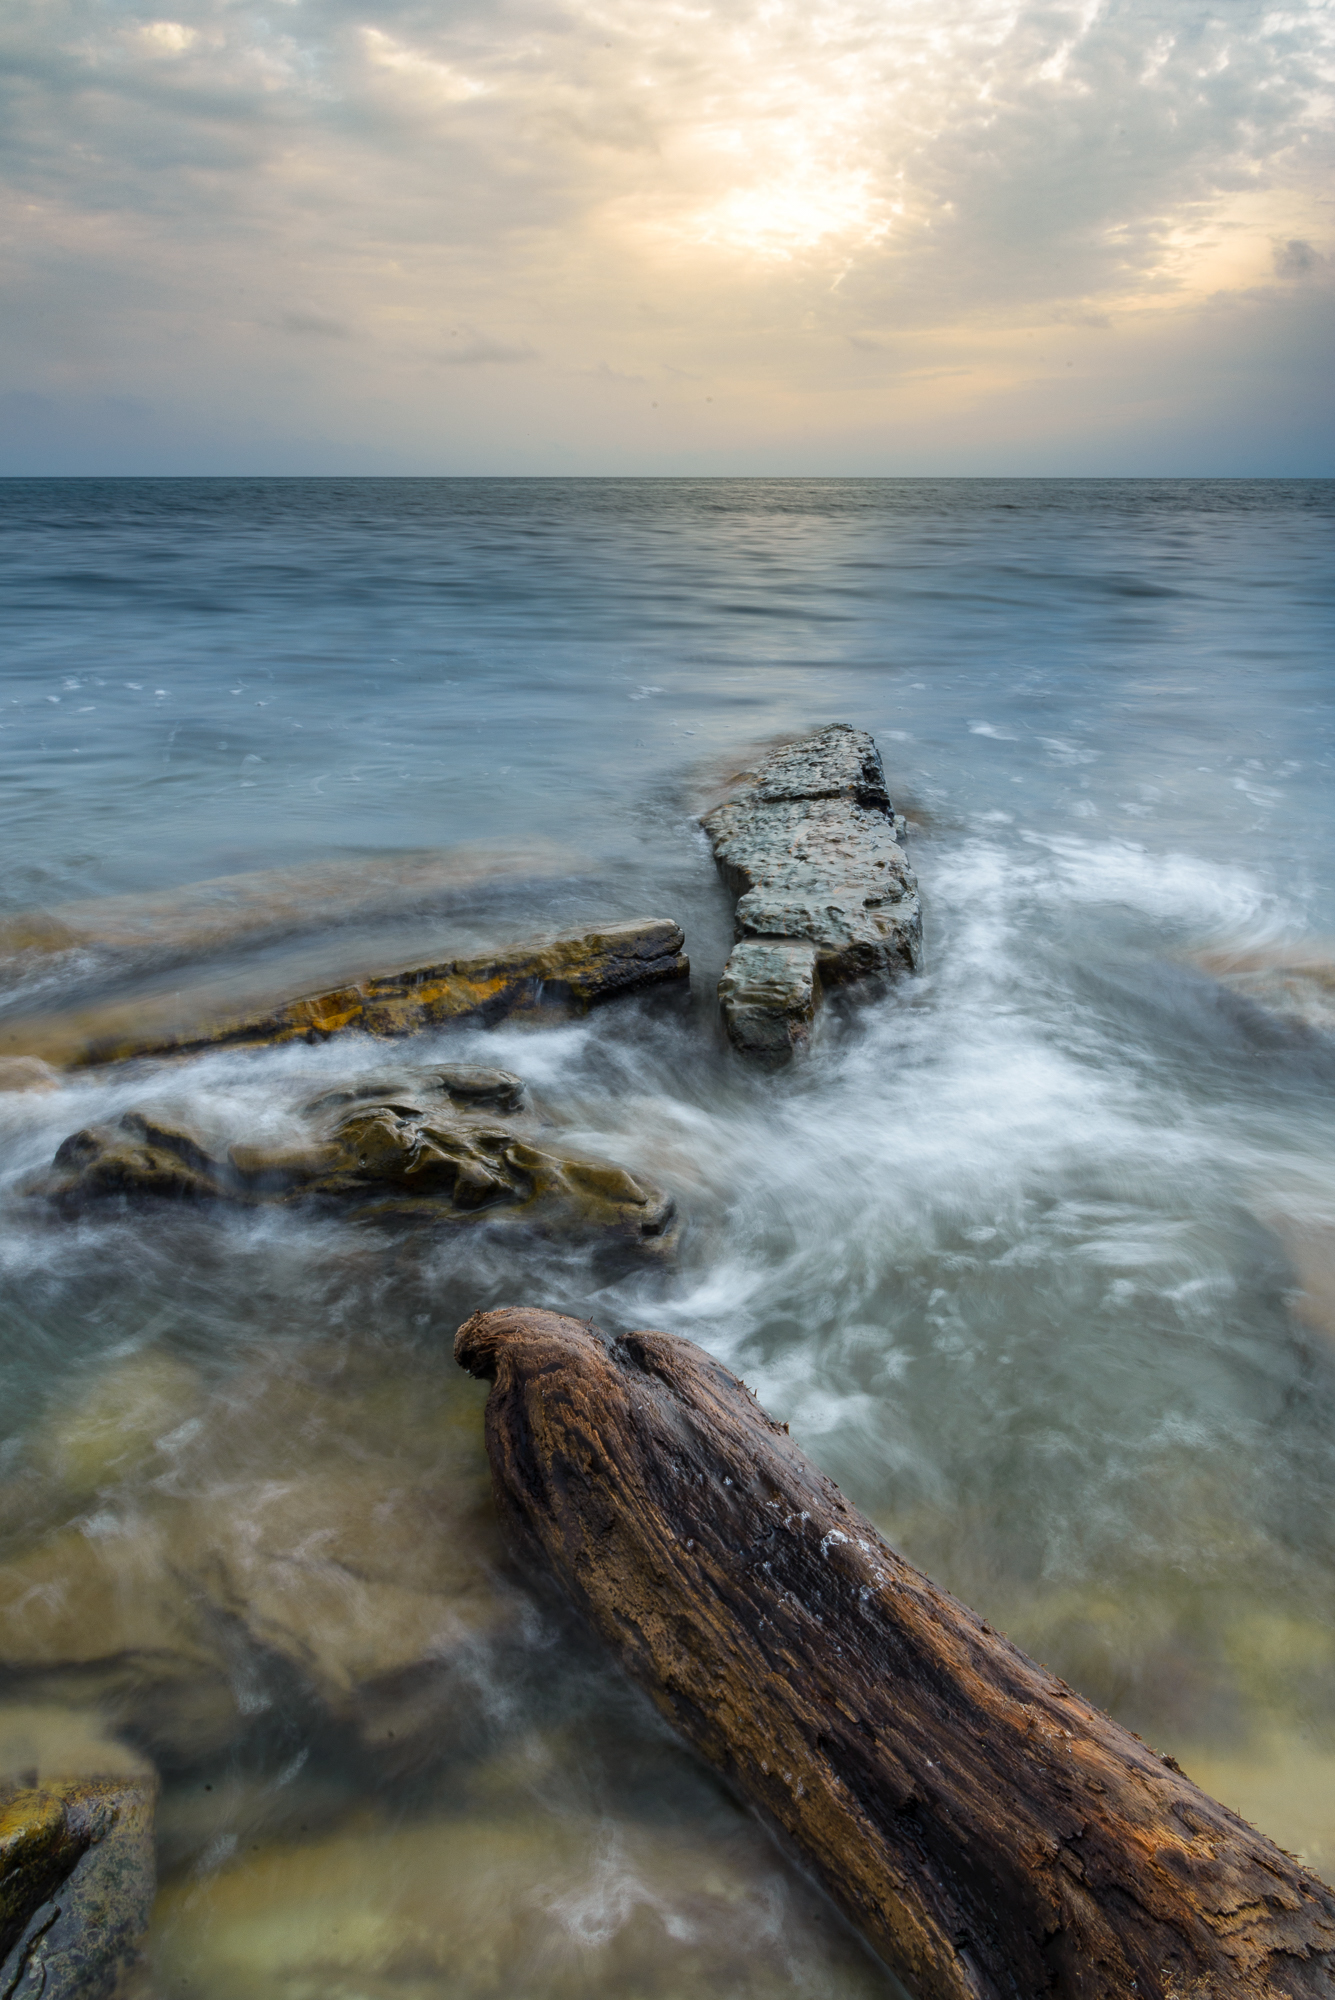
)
(988, 1830)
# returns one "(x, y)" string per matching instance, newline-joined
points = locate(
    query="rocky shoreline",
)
(364, 1571)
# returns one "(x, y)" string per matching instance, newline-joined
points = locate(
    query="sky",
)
(646, 236)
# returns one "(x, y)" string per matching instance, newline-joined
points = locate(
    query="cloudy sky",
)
(667, 235)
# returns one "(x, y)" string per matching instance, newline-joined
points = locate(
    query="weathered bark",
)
(551, 977)
(988, 1830)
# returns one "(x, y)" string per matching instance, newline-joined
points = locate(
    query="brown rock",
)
(445, 1144)
(27, 1073)
(169, 925)
(488, 1905)
(545, 979)
(193, 1553)
(76, 1886)
(990, 1832)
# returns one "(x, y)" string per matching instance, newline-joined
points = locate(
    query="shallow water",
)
(1035, 1255)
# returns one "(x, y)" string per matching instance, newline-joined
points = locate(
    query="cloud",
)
(315, 326)
(470, 349)
(1295, 259)
(885, 220)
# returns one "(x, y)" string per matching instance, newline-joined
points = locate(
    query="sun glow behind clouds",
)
(781, 217)
(915, 212)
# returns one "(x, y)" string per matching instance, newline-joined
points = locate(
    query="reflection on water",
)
(1035, 1255)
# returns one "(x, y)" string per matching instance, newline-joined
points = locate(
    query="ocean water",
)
(1036, 1254)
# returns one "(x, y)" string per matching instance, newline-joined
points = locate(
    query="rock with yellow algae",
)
(547, 978)
(76, 1886)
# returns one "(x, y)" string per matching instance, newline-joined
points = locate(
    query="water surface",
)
(1037, 1256)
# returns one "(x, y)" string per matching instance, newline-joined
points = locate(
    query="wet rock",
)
(447, 1144)
(550, 978)
(170, 925)
(814, 852)
(310, 1531)
(486, 1906)
(27, 1073)
(768, 993)
(1295, 982)
(76, 1887)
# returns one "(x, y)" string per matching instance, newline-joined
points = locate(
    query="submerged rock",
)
(169, 925)
(813, 850)
(27, 1073)
(1295, 982)
(443, 1144)
(542, 979)
(312, 1534)
(488, 1905)
(76, 1886)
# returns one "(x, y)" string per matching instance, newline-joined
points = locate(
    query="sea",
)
(1034, 1252)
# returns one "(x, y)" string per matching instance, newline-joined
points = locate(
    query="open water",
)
(1037, 1255)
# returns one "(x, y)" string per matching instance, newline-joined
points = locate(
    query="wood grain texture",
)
(989, 1831)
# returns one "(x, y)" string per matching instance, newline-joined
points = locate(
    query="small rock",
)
(27, 1073)
(768, 994)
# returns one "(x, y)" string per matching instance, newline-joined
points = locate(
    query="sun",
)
(782, 218)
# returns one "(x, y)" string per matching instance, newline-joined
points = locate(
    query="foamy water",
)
(1035, 1254)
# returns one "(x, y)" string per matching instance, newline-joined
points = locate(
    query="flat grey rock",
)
(811, 846)
(769, 993)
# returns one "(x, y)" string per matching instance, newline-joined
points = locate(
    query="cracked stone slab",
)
(813, 849)
(769, 993)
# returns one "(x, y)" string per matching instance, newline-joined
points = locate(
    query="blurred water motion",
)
(1035, 1255)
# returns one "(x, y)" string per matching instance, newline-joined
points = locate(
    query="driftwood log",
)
(988, 1830)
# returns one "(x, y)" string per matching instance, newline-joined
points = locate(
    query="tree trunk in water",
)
(988, 1830)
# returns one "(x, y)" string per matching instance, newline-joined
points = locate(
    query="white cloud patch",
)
(886, 234)
(169, 38)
